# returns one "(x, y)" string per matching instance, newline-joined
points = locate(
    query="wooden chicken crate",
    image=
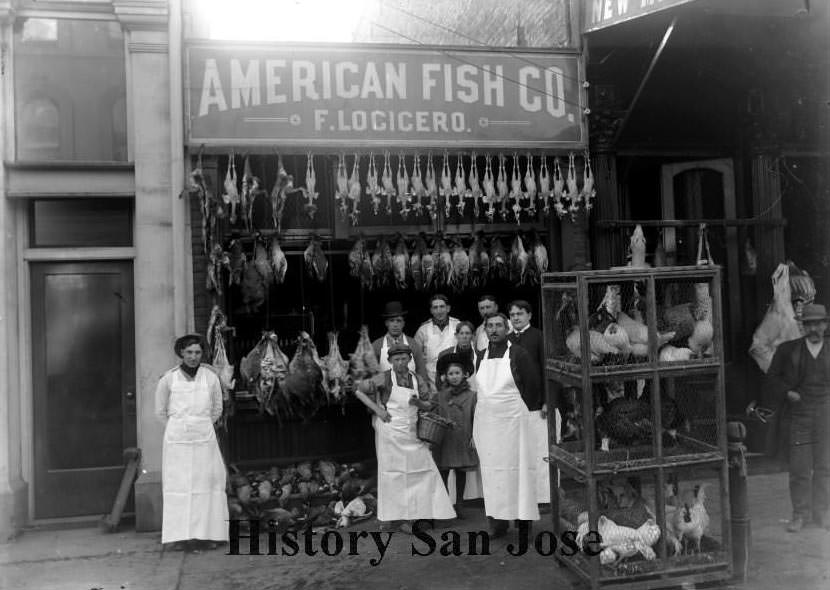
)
(637, 357)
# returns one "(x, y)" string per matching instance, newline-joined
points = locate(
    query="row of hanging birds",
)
(447, 263)
(409, 190)
(418, 193)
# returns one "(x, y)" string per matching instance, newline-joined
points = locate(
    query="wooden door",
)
(705, 190)
(83, 363)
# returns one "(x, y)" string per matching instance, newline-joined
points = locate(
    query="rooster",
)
(691, 520)
(703, 332)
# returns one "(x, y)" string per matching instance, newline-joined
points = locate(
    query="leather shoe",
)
(795, 525)
(498, 528)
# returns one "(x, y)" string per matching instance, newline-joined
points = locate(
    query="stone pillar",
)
(14, 491)
(148, 80)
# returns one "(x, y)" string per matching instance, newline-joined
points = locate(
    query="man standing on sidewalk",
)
(437, 334)
(799, 376)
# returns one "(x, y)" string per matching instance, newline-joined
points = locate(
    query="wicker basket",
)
(432, 427)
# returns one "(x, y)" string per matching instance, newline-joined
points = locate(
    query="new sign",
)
(350, 96)
(604, 13)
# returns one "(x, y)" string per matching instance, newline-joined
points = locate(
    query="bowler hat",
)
(393, 309)
(399, 349)
(814, 313)
(184, 341)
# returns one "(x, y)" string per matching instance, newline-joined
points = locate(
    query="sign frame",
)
(639, 9)
(385, 142)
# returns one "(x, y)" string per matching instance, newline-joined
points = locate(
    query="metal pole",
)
(741, 530)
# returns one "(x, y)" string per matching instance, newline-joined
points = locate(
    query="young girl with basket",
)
(456, 402)
(409, 485)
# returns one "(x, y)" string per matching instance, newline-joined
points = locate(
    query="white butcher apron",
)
(409, 485)
(384, 363)
(503, 439)
(193, 472)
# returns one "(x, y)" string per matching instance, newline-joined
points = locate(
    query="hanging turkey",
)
(316, 263)
(265, 368)
(337, 369)
(282, 187)
(304, 383)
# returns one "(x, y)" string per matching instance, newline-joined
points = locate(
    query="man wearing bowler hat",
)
(394, 317)
(799, 377)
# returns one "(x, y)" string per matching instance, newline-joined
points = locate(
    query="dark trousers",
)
(460, 482)
(810, 459)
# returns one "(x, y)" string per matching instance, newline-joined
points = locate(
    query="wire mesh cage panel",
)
(616, 322)
(637, 423)
(651, 528)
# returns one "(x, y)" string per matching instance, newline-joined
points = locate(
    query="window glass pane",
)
(82, 222)
(78, 67)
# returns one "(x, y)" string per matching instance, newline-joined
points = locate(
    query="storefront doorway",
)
(83, 366)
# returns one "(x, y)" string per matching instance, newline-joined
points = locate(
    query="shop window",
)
(39, 129)
(82, 62)
(67, 222)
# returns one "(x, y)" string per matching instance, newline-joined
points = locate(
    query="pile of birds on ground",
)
(628, 525)
(304, 495)
(300, 387)
(447, 263)
(417, 191)
(684, 330)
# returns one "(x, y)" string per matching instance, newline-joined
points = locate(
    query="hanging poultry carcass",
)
(474, 189)
(544, 185)
(372, 185)
(490, 195)
(460, 267)
(537, 263)
(443, 262)
(231, 196)
(518, 261)
(218, 261)
(337, 369)
(416, 270)
(261, 261)
(502, 188)
(382, 263)
(237, 262)
(558, 192)
(304, 383)
(431, 184)
(209, 205)
(387, 183)
(283, 185)
(254, 289)
(356, 256)
(217, 326)
(355, 190)
(484, 275)
(400, 263)
(428, 261)
(516, 188)
(279, 263)
(367, 271)
(446, 185)
(498, 260)
(246, 195)
(265, 368)
(530, 187)
(342, 191)
(403, 188)
(417, 180)
(316, 263)
(310, 190)
(571, 186)
(474, 257)
(588, 191)
(460, 187)
(364, 363)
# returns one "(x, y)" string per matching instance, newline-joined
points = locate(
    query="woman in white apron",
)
(189, 398)
(503, 437)
(409, 485)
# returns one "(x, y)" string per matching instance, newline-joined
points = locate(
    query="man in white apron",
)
(409, 484)
(189, 399)
(436, 334)
(394, 316)
(530, 338)
(501, 431)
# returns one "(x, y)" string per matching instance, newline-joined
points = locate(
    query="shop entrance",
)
(83, 367)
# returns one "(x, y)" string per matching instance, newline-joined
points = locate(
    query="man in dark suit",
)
(799, 378)
(531, 339)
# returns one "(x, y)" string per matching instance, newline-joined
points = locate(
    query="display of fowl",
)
(477, 277)
(310, 189)
(700, 342)
(416, 265)
(209, 205)
(387, 183)
(537, 258)
(363, 361)
(443, 262)
(400, 263)
(474, 189)
(502, 190)
(544, 185)
(367, 270)
(246, 196)
(498, 260)
(530, 187)
(279, 263)
(304, 385)
(237, 262)
(571, 188)
(567, 317)
(558, 191)
(588, 192)
(217, 326)
(620, 542)
(691, 519)
(264, 368)
(356, 256)
(779, 323)
(336, 369)
(459, 188)
(382, 263)
(637, 248)
(446, 185)
(231, 196)
(516, 188)
(283, 185)
(316, 263)
(418, 188)
(373, 188)
(403, 188)
(460, 267)
(490, 194)
(518, 261)
(633, 324)
(431, 185)
(218, 263)
(355, 190)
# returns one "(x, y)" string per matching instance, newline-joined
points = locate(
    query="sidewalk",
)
(87, 559)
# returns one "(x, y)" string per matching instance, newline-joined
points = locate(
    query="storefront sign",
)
(600, 14)
(358, 96)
